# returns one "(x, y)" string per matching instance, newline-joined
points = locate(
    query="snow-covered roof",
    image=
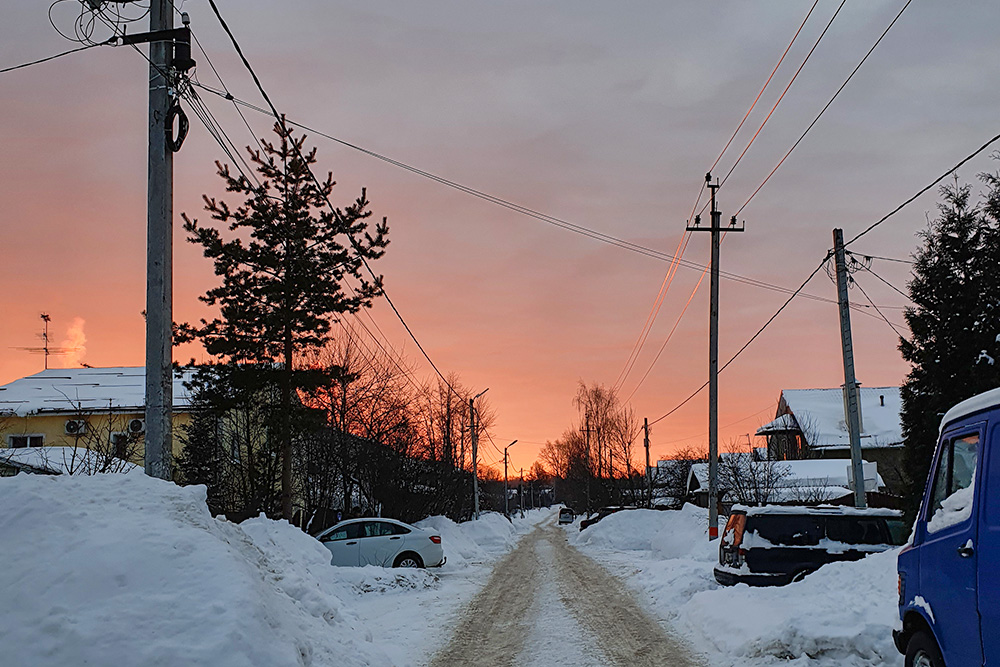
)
(820, 415)
(983, 401)
(805, 473)
(782, 424)
(60, 460)
(72, 390)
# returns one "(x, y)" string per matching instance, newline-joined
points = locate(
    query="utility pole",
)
(586, 433)
(475, 453)
(850, 383)
(506, 491)
(520, 493)
(713, 357)
(649, 475)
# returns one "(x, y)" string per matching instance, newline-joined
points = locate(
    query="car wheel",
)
(408, 559)
(923, 651)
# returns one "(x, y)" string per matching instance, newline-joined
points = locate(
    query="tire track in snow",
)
(548, 604)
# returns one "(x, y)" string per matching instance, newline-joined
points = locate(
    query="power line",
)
(782, 96)
(898, 291)
(354, 244)
(924, 189)
(523, 210)
(823, 110)
(747, 115)
(747, 344)
(884, 259)
(891, 325)
(58, 55)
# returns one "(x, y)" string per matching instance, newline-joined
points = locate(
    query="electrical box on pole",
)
(713, 356)
(850, 382)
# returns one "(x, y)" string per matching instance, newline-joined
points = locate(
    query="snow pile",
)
(105, 568)
(473, 541)
(630, 531)
(841, 615)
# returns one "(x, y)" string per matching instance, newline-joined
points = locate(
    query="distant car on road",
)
(776, 545)
(383, 542)
(566, 515)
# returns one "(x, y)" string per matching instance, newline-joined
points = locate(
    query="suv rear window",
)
(787, 529)
(855, 530)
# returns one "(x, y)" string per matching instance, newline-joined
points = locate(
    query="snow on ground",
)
(411, 625)
(841, 615)
(110, 568)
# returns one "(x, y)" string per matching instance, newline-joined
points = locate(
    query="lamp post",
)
(506, 493)
(475, 452)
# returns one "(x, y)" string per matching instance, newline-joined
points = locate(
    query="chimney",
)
(881, 400)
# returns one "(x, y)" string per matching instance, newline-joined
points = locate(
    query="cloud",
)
(75, 343)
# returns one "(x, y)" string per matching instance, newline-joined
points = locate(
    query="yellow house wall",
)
(53, 428)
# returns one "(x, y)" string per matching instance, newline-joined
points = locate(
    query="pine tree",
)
(283, 268)
(954, 322)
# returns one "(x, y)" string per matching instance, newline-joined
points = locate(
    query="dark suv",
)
(773, 546)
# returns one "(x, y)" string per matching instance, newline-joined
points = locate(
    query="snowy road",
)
(548, 604)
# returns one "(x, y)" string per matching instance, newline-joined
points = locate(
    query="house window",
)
(28, 440)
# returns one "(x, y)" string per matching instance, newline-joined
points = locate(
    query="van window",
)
(951, 496)
(788, 529)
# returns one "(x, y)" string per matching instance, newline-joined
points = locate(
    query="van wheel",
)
(923, 651)
(408, 559)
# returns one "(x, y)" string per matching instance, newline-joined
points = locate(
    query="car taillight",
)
(436, 539)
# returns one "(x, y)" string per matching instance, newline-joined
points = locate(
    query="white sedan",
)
(383, 542)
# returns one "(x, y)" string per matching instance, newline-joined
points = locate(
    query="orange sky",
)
(603, 116)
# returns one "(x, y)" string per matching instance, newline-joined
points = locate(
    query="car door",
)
(380, 542)
(947, 551)
(343, 544)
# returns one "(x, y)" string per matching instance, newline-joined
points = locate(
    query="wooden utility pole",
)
(850, 382)
(649, 475)
(520, 493)
(713, 357)
(506, 491)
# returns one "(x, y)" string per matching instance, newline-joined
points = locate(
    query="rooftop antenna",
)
(45, 349)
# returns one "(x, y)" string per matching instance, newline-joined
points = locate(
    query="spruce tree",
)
(283, 262)
(953, 323)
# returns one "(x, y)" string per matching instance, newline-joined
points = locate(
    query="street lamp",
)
(475, 452)
(506, 493)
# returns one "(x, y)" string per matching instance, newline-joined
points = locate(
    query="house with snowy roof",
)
(100, 409)
(812, 424)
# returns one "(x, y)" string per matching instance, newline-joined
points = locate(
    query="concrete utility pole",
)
(475, 453)
(713, 358)
(506, 492)
(649, 475)
(850, 383)
(159, 252)
(520, 493)
(586, 432)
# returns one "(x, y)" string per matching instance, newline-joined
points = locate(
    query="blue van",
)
(949, 573)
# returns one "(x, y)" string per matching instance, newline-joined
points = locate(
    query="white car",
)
(383, 542)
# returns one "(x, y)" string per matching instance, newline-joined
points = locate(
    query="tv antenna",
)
(45, 349)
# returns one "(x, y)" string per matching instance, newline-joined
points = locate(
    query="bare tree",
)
(748, 478)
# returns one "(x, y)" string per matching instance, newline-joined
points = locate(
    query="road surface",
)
(546, 604)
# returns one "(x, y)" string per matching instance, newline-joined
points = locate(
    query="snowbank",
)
(841, 615)
(113, 569)
(473, 541)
